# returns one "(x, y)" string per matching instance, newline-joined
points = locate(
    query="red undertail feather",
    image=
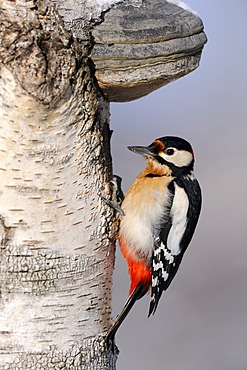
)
(138, 270)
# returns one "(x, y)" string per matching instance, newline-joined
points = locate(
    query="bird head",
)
(172, 151)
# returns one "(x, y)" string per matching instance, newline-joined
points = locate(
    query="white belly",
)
(141, 223)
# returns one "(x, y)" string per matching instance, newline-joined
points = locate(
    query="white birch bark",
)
(56, 257)
(57, 249)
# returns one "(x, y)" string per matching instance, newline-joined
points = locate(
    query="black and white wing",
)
(175, 235)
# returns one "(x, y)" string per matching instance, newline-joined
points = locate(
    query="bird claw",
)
(117, 195)
(113, 205)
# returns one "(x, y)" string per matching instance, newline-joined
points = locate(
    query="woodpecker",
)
(161, 210)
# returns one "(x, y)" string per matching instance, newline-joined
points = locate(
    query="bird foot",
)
(117, 195)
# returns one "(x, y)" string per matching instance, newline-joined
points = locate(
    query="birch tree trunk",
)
(57, 248)
(57, 235)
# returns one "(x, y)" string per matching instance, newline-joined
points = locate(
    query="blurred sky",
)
(201, 322)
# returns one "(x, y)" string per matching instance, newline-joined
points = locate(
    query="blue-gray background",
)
(201, 322)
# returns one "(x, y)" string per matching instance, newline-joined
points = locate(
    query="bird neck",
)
(155, 169)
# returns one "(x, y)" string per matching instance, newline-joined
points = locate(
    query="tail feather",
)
(137, 293)
(155, 297)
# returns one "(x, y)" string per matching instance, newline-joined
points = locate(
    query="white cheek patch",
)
(179, 211)
(180, 158)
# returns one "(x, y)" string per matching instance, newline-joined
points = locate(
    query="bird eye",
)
(170, 151)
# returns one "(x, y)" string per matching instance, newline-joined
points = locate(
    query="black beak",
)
(143, 150)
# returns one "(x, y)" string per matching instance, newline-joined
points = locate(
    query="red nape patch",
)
(138, 270)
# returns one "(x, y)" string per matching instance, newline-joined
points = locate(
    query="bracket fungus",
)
(139, 48)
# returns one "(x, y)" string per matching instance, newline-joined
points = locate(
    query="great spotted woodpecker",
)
(161, 210)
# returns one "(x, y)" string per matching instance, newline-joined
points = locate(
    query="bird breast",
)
(145, 207)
